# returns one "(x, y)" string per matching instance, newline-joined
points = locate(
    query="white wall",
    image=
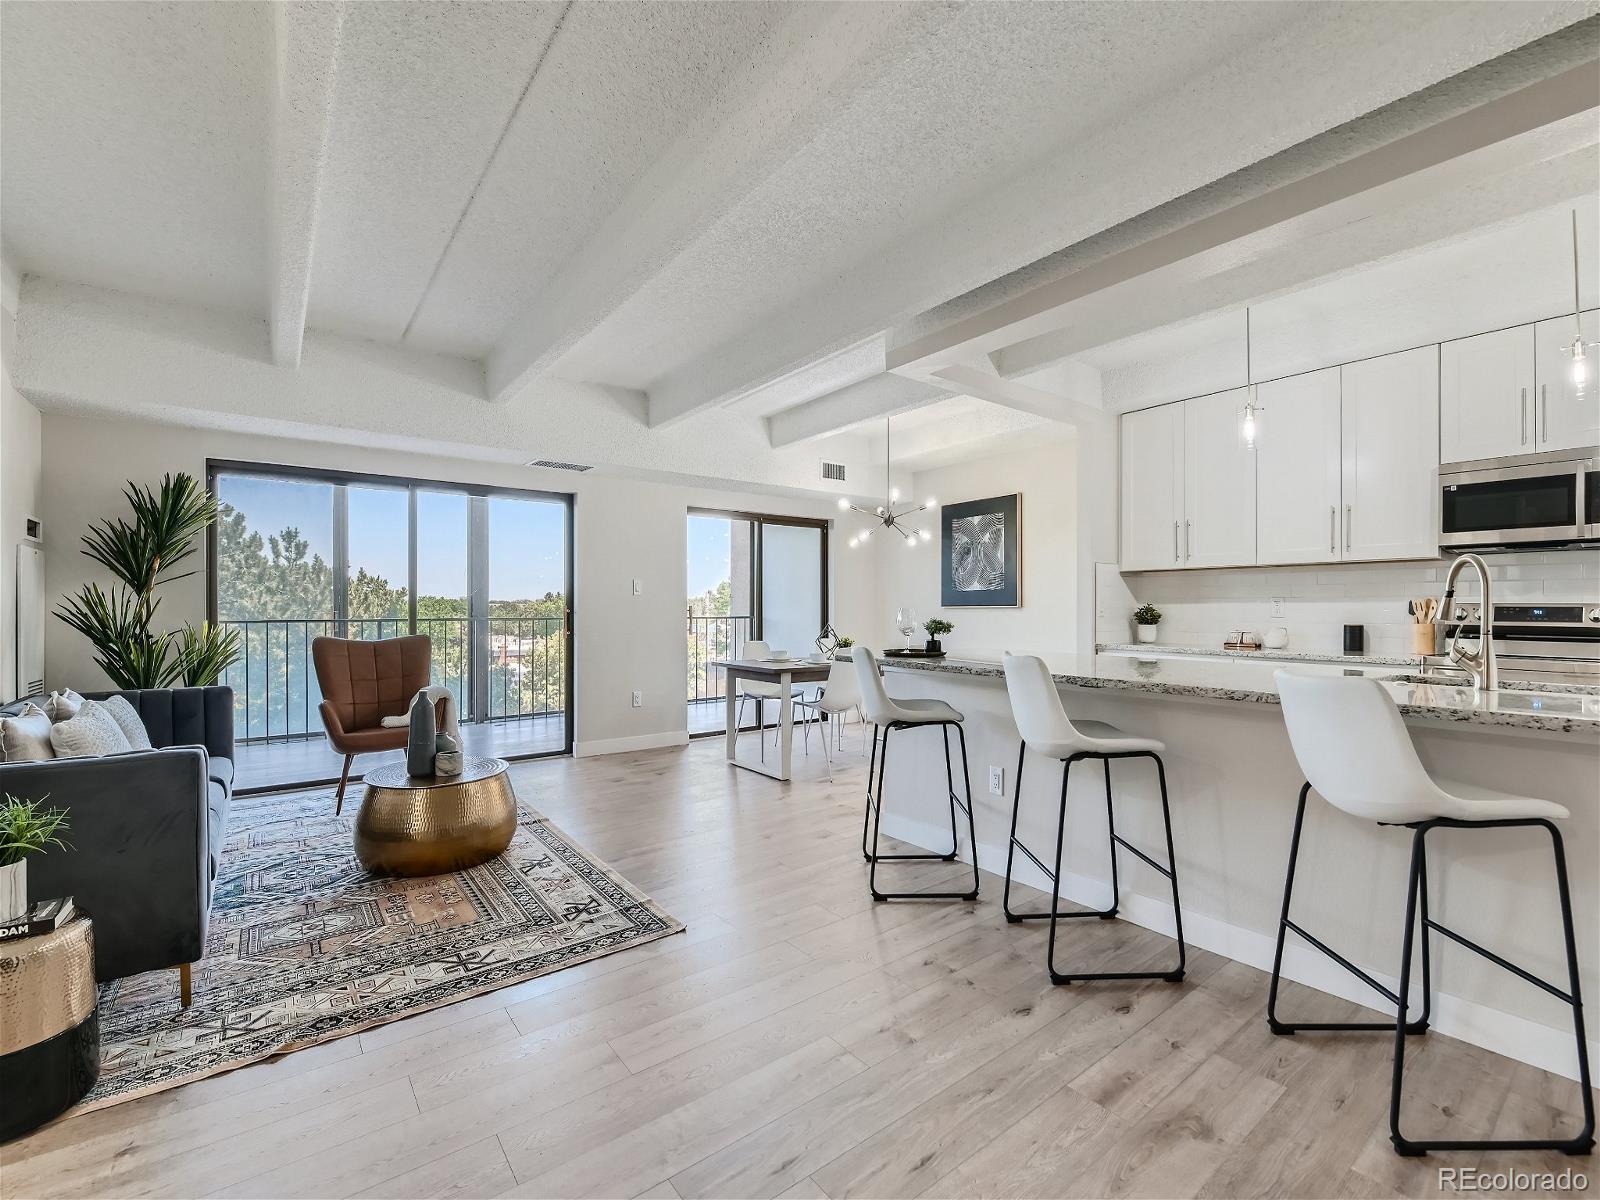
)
(1048, 620)
(623, 530)
(1200, 608)
(21, 496)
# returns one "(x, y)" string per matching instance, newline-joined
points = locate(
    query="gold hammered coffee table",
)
(438, 823)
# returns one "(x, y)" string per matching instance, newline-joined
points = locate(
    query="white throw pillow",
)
(128, 721)
(90, 734)
(62, 706)
(26, 737)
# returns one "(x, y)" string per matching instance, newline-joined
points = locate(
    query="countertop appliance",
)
(1544, 643)
(1521, 502)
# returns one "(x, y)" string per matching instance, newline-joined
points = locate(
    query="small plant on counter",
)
(844, 643)
(936, 628)
(1145, 619)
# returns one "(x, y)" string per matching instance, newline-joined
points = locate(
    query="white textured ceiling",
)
(705, 202)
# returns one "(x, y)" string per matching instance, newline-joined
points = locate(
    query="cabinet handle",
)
(1524, 416)
(1175, 556)
(1333, 525)
(1347, 528)
(1543, 420)
(1188, 540)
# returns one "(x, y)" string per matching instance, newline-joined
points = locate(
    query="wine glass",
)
(905, 620)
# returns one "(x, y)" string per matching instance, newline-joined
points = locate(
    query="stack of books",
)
(44, 917)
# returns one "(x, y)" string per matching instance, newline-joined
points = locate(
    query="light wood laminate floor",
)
(801, 1041)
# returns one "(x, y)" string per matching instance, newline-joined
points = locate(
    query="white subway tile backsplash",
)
(1200, 608)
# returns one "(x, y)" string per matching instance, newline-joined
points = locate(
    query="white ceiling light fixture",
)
(1580, 363)
(1252, 410)
(886, 513)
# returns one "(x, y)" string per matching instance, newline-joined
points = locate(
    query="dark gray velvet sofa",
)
(146, 829)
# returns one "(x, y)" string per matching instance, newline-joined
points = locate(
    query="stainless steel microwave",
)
(1516, 503)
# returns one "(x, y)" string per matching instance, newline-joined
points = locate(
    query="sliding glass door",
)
(750, 576)
(485, 574)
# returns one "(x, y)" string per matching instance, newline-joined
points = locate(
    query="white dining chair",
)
(841, 694)
(1042, 720)
(1350, 740)
(761, 691)
(888, 715)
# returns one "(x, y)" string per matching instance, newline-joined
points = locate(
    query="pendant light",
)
(885, 513)
(1252, 410)
(1580, 363)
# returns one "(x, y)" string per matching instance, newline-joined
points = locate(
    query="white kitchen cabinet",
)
(1486, 396)
(1152, 488)
(1567, 417)
(1299, 514)
(1390, 479)
(1219, 483)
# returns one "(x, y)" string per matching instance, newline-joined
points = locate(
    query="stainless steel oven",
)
(1531, 500)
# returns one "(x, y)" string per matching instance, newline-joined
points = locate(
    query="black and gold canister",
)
(49, 1036)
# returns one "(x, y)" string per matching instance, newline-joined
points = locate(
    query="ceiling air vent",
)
(833, 471)
(553, 465)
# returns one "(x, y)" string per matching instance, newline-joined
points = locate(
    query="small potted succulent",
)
(841, 645)
(26, 827)
(1146, 621)
(936, 628)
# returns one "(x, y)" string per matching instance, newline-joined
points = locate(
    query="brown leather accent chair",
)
(363, 682)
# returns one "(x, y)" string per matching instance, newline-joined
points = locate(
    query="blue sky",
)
(526, 537)
(708, 553)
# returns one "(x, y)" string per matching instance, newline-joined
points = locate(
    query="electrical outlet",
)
(638, 699)
(997, 781)
(638, 587)
(1277, 606)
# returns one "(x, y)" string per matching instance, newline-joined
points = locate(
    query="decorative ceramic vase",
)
(447, 759)
(420, 746)
(1146, 633)
(13, 889)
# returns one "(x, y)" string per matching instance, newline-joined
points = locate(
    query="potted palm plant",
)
(143, 555)
(26, 827)
(936, 628)
(1146, 621)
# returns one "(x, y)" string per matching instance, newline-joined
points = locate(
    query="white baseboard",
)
(644, 741)
(1504, 1033)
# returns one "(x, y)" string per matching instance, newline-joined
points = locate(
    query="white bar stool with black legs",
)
(1354, 749)
(1047, 730)
(890, 716)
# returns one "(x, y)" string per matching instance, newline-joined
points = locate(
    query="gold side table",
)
(49, 1031)
(435, 824)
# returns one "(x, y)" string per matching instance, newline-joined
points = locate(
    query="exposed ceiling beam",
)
(305, 67)
(880, 396)
(1074, 394)
(773, 107)
(1497, 135)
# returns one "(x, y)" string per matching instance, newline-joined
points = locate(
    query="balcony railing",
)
(500, 668)
(710, 639)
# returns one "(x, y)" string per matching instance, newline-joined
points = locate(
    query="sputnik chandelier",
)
(886, 514)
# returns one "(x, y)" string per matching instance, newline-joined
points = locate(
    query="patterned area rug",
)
(305, 946)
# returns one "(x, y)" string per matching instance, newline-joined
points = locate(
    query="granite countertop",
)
(1284, 655)
(1570, 710)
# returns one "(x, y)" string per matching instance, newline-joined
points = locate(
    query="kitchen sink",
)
(1450, 677)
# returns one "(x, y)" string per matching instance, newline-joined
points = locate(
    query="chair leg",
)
(875, 856)
(344, 777)
(1285, 926)
(866, 816)
(185, 986)
(1583, 1141)
(1170, 871)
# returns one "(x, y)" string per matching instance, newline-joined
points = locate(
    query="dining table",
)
(785, 673)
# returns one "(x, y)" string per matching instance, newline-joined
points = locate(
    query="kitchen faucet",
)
(1478, 663)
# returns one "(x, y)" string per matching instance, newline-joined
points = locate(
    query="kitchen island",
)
(1233, 782)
